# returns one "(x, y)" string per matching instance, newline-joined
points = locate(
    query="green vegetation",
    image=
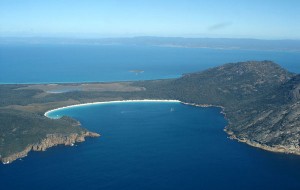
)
(19, 129)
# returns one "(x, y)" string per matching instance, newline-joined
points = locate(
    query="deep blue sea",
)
(152, 146)
(143, 145)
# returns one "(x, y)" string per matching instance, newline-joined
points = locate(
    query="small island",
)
(260, 100)
(137, 71)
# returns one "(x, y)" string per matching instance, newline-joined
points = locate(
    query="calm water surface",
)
(152, 146)
(80, 63)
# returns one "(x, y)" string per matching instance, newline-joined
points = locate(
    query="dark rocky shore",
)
(48, 142)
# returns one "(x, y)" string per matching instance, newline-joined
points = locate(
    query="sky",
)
(261, 19)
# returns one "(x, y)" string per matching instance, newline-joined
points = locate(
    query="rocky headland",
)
(48, 142)
(260, 100)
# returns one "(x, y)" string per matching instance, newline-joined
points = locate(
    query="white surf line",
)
(107, 102)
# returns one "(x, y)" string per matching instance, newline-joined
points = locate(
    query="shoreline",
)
(73, 138)
(46, 114)
(274, 149)
(231, 135)
(49, 141)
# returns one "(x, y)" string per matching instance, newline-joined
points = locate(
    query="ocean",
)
(157, 145)
(90, 63)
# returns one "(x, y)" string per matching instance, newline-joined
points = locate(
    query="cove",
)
(152, 145)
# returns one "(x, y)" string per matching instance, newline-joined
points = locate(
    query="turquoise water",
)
(80, 63)
(152, 146)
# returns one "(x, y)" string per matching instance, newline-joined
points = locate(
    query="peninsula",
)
(260, 100)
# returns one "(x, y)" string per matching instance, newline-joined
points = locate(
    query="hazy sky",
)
(265, 19)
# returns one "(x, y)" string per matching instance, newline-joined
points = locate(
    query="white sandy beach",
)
(107, 102)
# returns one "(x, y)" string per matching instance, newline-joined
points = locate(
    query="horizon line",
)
(140, 36)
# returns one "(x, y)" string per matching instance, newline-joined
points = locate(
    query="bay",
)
(152, 146)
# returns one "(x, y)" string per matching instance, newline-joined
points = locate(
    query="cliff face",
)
(50, 141)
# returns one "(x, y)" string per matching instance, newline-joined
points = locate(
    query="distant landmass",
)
(212, 43)
(260, 100)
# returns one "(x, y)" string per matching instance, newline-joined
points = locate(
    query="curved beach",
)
(106, 102)
(280, 149)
